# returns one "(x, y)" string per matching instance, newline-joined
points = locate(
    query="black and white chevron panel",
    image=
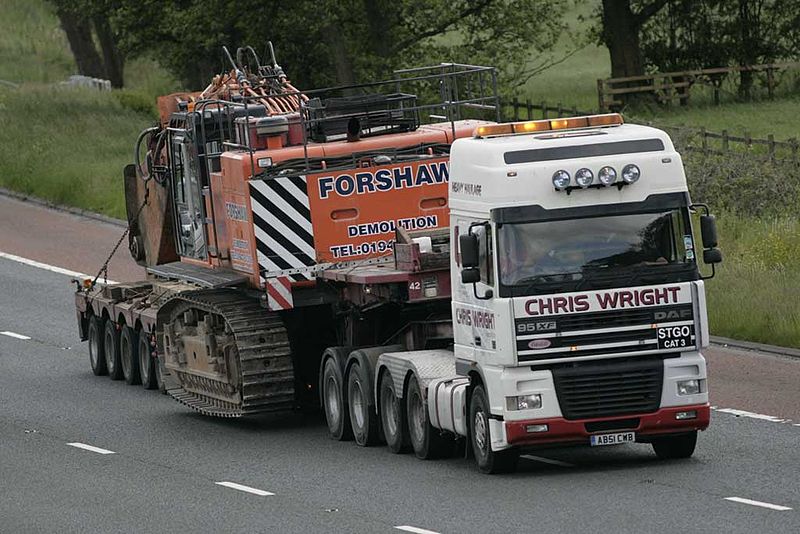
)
(283, 232)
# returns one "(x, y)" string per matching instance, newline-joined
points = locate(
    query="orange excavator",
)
(279, 225)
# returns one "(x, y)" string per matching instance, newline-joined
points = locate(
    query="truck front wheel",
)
(675, 447)
(488, 461)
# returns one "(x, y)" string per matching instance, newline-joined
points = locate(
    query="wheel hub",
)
(480, 430)
(357, 401)
(332, 398)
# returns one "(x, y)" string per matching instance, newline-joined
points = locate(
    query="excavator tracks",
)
(244, 365)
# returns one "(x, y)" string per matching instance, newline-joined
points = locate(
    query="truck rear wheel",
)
(363, 420)
(111, 347)
(128, 351)
(488, 461)
(427, 441)
(333, 401)
(160, 371)
(675, 447)
(392, 416)
(97, 353)
(147, 364)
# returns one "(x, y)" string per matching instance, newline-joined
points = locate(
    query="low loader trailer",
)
(432, 278)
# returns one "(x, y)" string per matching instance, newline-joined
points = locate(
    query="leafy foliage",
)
(322, 43)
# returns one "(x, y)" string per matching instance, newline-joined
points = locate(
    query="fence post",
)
(770, 84)
(771, 139)
(716, 84)
(725, 140)
(560, 111)
(544, 109)
(515, 103)
(530, 108)
(793, 144)
(600, 96)
(748, 140)
(704, 140)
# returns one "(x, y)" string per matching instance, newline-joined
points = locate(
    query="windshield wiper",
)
(541, 280)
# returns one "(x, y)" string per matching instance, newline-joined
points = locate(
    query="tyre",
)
(111, 346)
(428, 442)
(97, 353)
(488, 461)
(147, 364)
(392, 416)
(363, 419)
(129, 355)
(333, 402)
(675, 447)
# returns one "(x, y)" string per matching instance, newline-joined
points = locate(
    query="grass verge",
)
(756, 292)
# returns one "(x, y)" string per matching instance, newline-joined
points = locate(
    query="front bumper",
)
(561, 430)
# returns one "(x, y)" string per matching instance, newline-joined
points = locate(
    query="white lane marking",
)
(51, 268)
(86, 447)
(248, 489)
(418, 530)
(14, 335)
(751, 415)
(546, 460)
(771, 506)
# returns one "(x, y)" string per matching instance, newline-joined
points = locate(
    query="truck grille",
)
(588, 390)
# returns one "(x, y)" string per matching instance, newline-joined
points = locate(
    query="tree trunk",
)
(340, 56)
(748, 47)
(79, 35)
(621, 36)
(112, 58)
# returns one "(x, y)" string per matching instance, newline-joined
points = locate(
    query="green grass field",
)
(70, 145)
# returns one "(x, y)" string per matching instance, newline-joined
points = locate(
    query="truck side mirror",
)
(468, 244)
(712, 256)
(470, 275)
(708, 230)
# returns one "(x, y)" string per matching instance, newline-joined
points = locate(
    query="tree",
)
(621, 25)
(78, 19)
(328, 42)
(697, 34)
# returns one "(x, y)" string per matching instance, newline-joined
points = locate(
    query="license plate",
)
(612, 439)
(674, 337)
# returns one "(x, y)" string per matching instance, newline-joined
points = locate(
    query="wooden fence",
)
(691, 139)
(668, 86)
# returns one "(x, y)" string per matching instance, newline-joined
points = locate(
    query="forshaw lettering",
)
(360, 183)
(604, 300)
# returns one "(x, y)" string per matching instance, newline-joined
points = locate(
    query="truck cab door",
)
(190, 214)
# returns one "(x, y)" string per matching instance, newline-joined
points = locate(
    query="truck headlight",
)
(524, 402)
(584, 178)
(630, 174)
(607, 176)
(560, 180)
(689, 387)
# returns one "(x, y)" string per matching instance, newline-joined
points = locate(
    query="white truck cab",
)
(579, 311)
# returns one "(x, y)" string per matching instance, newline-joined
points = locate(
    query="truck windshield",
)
(594, 253)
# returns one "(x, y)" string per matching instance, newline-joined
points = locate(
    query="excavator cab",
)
(187, 192)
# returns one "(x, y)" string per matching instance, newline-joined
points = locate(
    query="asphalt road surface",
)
(80, 453)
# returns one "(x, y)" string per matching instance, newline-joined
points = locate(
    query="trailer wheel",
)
(427, 441)
(675, 447)
(488, 461)
(129, 356)
(147, 364)
(363, 420)
(97, 353)
(333, 401)
(393, 417)
(111, 346)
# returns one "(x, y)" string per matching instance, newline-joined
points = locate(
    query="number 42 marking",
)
(414, 286)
